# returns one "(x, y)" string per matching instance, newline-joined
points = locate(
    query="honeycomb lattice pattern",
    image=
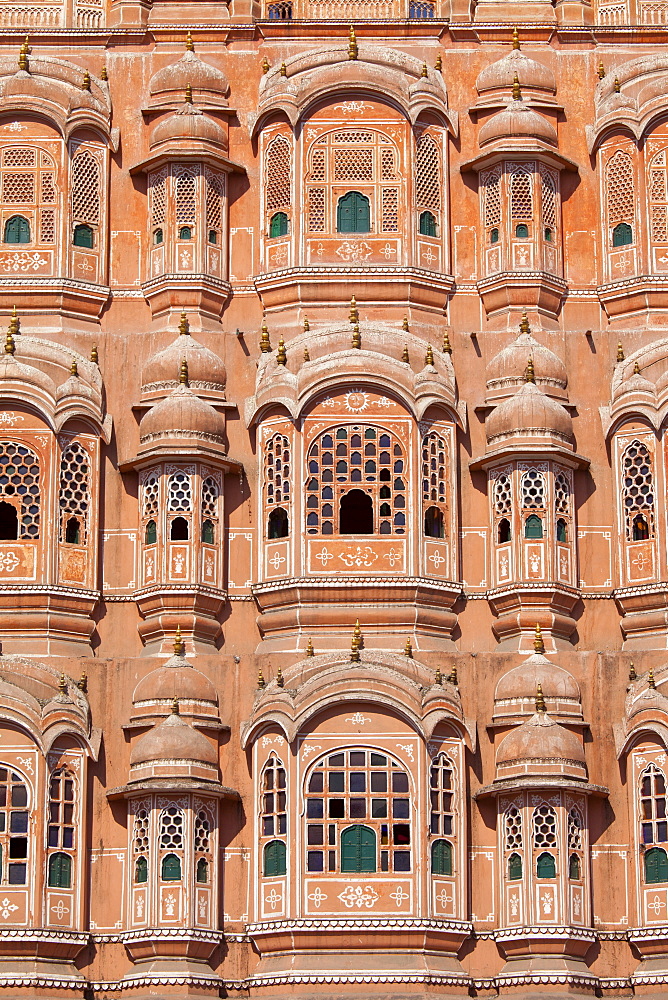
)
(19, 477)
(503, 496)
(513, 829)
(278, 174)
(533, 490)
(171, 829)
(140, 832)
(209, 497)
(317, 165)
(75, 485)
(387, 165)
(428, 175)
(214, 201)
(316, 210)
(179, 492)
(544, 827)
(151, 496)
(619, 187)
(157, 189)
(521, 195)
(390, 210)
(562, 494)
(638, 489)
(85, 184)
(548, 186)
(491, 189)
(18, 189)
(434, 468)
(575, 825)
(353, 164)
(202, 831)
(47, 225)
(277, 471)
(186, 199)
(20, 156)
(351, 136)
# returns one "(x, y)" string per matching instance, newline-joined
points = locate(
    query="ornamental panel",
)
(382, 556)
(358, 897)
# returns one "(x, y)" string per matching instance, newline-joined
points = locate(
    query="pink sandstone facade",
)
(333, 498)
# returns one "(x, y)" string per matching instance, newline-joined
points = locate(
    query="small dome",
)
(517, 121)
(17, 371)
(523, 680)
(529, 412)
(175, 679)
(173, 739)
(189, 70)
(205, 369)
(540, 739)
(507, 368)
(182, 414)
(191, 124)
(633, 384)
(531, 75)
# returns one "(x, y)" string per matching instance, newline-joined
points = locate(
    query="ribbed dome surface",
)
(189, 70)
(205, 369)
(189, 123)
(531, 74)
(175, 679)
(529, 411)
(517, 121)
(522, 681)
(510, 364)
(540, 738)
(173, 739)
(182, 413)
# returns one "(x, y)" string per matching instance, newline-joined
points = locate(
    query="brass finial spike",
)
(632, 671)
(62, 684)
(650, 679)
(352, 43)
(74, 370)
(408, 649)
(354, 312)
(265, 343)
(438, 676)
(617, 86)
(10, 346)
(189, 94)
(405, 357)
(281, 354)
(530, 374)
(279, 677)
(438, 65)
(94, 355)
(447, 349)
(429, 356)
(175, 706)
(284, 69)
(82, 683)
(103, 74)
(307, 325)
(184, 325)
(183, 372)
(516, 38)
(540, 700)
(356, 643)
(601, 71)
(265, 65)
(260, 678)
(357, 339)
(538, 644)
(310, 651)
(424, 72)
(307, 356)
(179, 648)
(404, 325)
(524, 323)
(190, 47)
(453, 675)
(517, 93)
(85, 83)
(620, 352)
(24, 52)
(636, 369)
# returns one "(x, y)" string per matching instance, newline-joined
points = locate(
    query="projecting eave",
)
(510, 452)
(173, 451)
(539, 782)
(211, 788)
(186, 153)
(545, 153)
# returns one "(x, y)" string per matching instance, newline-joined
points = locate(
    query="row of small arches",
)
(17, 230)
(356, 518)
(358, 854)
(170, 869)
(353, 215)
(546, 866)
(179, 531)
(533, 529)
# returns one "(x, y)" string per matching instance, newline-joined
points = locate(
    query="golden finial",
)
(183, 372)
(189, 94)
(103, 74)
(650, 679)
(447, 349)
(307, 356)
(601, 71)
(85, 83)
(279, 677)
(617, 86)
(429, 356)
(636, 369)
(310, 651)
(190, 47)
(632, 671)
(14, 323)
(529, 374)
(352, 43)
(438, 676)
(265, 343)
(24, 52)
(307, 325)
(538, 644)
(10, 347)
(540, 700)
(408, 649)
(175, 706)
(453, 675)
(179, 645)
(94, 355)
(517, 93)
(404, 325)
(620, 352)
(260, 678)
(281, 354)
(405, 357)
(438, 65)
(82, 683)
(424, 72)
(265, 65)
(354, 316)
(516, 38)
(184, 325)
(524, 323)
(355, 644)
(357, 339)
(74, 370)
(62, 684)
(284, 71)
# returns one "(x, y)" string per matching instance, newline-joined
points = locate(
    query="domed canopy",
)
(191, 125)
(175, 679)
(189, 70)
(182, 414)
(540, 747)
(205, 369)
(173, 740)
(515, 692)
(531, 75)
(506, 370)
(517, 121)
(529, 413)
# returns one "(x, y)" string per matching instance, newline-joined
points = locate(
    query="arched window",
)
(277, 488)
(62, 803)
(278, 525)
(141, 870)
(202, 871)
(428, 183)
(75, 492)
(9, 522)
(157, 192)
(622, 235)
(274, 859)
(158, 237)
(514, 867)
(434, 526)
(521, 194)
(656, 865)
(353, 213)
(620, 198)
(185, 232)
(441, 858)
(185, 197)
(214, 194)
(513, 841)
(562, 533)
(533, 490)
(278, 224)
(638, 492)
(86, 191)
(208, 534)
(20, 481)
(544, 822)
(171, 868)
(151, 533)
(179, 530)
(441, 814)
(653, 821)
(427, 224)
(141, 842)
(434, 483)
(170, 842)
(17, 230)
(359, 458)
(350, 789)
(533, 527)
(562, 501)
(548, 193)
(179, 499)
(490, 195)
(503, 531)
(494, 235)
(60, 871)
(546, 866)
(209, 509)
(14, 827)
(522, 231)
(503, 507)
(203, 846)
(278, 179)
(83, 237)
(574, 868)
(73, 531)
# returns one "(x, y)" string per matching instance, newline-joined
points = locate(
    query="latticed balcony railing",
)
(17, 14)
(345, 10)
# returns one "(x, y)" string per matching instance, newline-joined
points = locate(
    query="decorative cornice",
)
(360, 923)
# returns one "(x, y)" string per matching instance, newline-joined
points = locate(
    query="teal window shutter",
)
(171, 868)
(574, 866)
(207, 532)
(353, 213)
(202, 874)
(441, 858)
(514, 867)
(17, 230)
(622, 235)
(60, 871)
(278, 225)
(274, 858)
(83, 237)
(427, 224)
(151, 533)
(545, 866)
(656, 865)
(358, 849)
(141, 870)
(533, 527)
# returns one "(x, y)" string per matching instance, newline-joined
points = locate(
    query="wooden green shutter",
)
(83, 237)
(141, 871)
(533, 527)
(656, 865)
(278, 225)
(171, 868)
(574, 866)
(358, 849)
(441, 858)
(274, 858)
(353, 213)
(17, 230)
(545, 866)
(514, 867)
(60, 871)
